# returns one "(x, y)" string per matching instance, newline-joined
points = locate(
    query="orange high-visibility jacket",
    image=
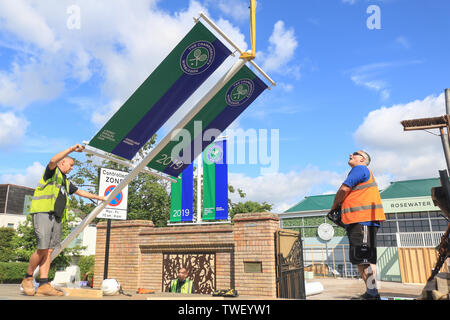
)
(363, 203)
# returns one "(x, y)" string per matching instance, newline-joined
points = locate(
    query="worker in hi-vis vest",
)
(182, 284)
(361, 212)
(49, 208)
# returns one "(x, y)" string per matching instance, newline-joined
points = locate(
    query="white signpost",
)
(109, 179)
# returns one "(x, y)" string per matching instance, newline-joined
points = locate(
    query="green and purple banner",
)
(215, 181)
(182, 197)
(189, 64)
(209, 123)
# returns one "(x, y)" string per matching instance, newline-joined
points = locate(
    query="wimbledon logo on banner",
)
(197, 57)
(117, 208)
(239, 92)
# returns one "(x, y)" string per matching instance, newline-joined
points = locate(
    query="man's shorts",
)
(363, 243)
(47, 229)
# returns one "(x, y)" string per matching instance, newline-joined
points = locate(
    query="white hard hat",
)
(110, 287)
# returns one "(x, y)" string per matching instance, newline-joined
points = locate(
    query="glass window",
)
(421, 225)
(434, 214)
(404, 215)
(388, 227)
(386, 240)
(439, 225)
(390, 216)
(424, 215)
(402, 226)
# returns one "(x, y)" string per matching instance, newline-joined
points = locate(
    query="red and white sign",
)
(117, 208)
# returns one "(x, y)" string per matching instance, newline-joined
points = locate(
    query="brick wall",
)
(137, 248)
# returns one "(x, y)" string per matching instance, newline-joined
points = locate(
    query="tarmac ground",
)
(334, 289)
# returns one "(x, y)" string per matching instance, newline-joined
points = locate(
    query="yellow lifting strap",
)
(251, 55)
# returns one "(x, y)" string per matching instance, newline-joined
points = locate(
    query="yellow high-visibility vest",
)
(47, 192)
(185, 288)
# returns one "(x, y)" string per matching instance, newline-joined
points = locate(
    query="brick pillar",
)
(124, 252)
(254, 240)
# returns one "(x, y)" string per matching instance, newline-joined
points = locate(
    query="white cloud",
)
(290, 188)
(21, 19)
(399, 154)
(237, 9)
(30, 81)
(30, 179)
(369, 76)
(281, 51)
(12, 129)
(372, 76)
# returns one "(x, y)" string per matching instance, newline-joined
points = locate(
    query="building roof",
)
(313, 203)
(410, 188)
(397, 189)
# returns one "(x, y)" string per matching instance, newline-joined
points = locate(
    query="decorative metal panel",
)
(201, 268)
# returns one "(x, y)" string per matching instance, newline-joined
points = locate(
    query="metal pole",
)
(108, 235)
(447, 100)
(445, 145)
(445, 140)
(149, 157)
(199, 187)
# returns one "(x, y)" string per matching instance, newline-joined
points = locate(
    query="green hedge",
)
(14, 272)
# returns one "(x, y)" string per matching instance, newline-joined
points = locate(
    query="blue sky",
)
(341, 86)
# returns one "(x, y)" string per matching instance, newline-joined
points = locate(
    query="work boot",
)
(48, 290)
(28, 286)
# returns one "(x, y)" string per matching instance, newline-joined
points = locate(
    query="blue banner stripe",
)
(221, 187)
(187, 194)
(221, 122)
(180, 91)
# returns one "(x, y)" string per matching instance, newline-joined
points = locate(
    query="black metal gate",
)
(290, 267)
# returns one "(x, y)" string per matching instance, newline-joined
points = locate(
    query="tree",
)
(250, 206)
(245, 207)
(6, 246)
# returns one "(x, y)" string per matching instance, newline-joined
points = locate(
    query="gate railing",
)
(418, 239)
(290, 268)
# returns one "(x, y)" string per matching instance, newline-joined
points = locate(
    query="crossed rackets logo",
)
(197, 57)
(239, 92)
